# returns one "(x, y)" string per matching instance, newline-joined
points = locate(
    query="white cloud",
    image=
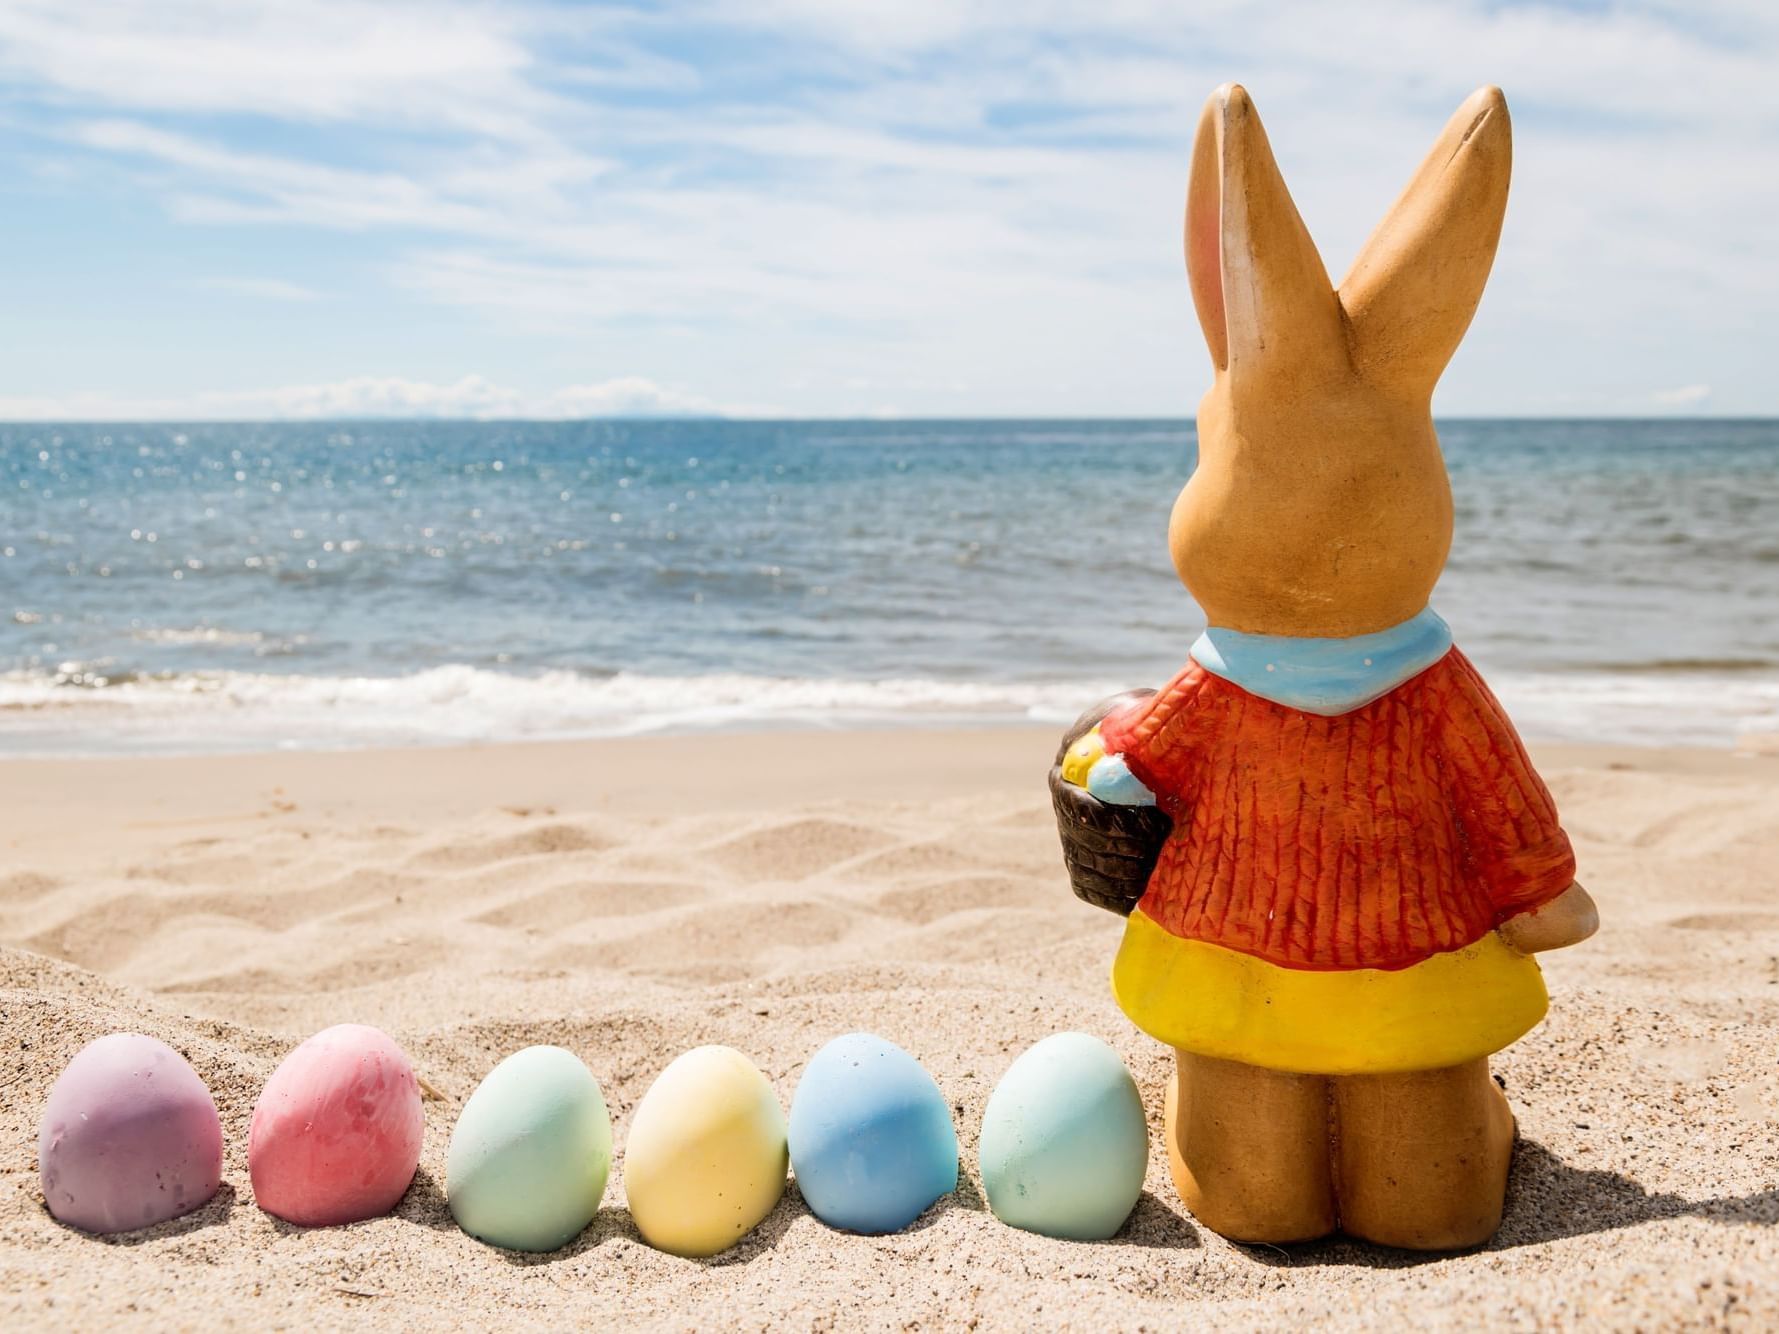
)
(1685, 396)
(920, 191)
(399, 62)
(472, 396)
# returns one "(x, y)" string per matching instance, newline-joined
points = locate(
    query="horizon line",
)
(659, 418)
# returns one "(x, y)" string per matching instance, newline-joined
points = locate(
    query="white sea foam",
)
(198, 635)
(248, 710)
(210, 711)
(1679, 707)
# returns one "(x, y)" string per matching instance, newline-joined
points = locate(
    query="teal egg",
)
(1065, 1145)
(531, 1152)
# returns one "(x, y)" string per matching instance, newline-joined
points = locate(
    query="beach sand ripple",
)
(629, 900)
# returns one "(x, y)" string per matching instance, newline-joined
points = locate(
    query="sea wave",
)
(1682, 706)
(227, 710)
(198, 635)
(66, 712)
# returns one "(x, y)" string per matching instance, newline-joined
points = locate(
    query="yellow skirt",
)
(1203, 998)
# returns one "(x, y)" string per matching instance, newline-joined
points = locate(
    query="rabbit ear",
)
(1410, 294)
(1263, 297)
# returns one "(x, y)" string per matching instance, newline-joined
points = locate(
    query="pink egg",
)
(336, 1133)
(130, 1137)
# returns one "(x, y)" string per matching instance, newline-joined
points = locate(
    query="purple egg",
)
(130, 1137)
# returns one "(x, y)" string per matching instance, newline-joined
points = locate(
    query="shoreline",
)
(452, 705)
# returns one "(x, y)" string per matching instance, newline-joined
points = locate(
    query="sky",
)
(836, 208)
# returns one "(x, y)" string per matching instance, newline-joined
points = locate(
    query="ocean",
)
(226, 586)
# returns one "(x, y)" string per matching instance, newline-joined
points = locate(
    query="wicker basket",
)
(1109, 850)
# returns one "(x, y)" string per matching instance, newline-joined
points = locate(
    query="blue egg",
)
(872, 1143)
(1065, 1144)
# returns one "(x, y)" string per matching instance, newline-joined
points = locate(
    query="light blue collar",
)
(1325, 676)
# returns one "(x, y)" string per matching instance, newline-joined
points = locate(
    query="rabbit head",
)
(1320, 505)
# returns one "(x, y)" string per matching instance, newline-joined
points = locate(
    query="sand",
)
(631, 899)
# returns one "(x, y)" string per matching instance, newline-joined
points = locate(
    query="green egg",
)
(531, 1152)
(1065, 1146)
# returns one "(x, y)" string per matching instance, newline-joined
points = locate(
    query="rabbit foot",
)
(1248, 1148)
(1417, 1161)
(1420, 1159)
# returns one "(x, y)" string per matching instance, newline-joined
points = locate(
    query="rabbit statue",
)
(1335, 857)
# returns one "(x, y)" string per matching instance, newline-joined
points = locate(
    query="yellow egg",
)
(706, 1158)
(1081, 758)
